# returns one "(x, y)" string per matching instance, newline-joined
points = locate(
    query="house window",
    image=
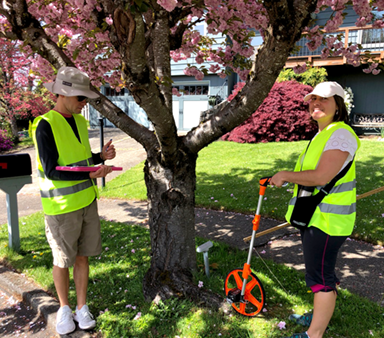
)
(199, 89)
(370, 39)
(112, 92)
(372, 36)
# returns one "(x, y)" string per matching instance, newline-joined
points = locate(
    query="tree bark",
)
(171, 207)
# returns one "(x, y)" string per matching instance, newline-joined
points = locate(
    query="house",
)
(368, 89)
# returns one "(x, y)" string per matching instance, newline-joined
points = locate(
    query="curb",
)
(23, 289)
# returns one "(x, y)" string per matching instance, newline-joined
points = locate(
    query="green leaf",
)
(75, 54)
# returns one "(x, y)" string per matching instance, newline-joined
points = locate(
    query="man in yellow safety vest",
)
(69, 197)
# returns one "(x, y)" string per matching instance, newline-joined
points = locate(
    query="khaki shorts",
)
(74, 234)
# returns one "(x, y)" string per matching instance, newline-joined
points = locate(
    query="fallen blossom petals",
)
(200, 285)
(281, 325)
(137, 316)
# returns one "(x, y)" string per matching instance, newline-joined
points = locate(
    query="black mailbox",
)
(15, 165)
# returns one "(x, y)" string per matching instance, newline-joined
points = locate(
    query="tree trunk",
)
(171, 208)
(13, 127)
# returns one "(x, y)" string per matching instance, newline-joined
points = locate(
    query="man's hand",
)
(108, 152)
(103, 171)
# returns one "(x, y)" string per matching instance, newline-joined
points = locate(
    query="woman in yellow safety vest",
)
(331, 150)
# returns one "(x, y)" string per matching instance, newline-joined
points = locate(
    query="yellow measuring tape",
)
(284, 225)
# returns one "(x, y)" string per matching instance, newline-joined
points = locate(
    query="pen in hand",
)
(109, 141)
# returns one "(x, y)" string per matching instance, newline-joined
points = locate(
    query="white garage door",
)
(191, 113)
(176, 113)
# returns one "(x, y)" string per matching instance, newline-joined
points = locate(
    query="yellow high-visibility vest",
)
(336, 213)
(60, 197)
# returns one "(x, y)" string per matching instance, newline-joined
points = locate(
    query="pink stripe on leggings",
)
(318, 287)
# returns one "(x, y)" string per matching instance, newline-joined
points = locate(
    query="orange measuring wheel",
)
(254, 296)
(243, 289)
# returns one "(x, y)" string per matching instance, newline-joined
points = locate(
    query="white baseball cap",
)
(71, 82)
(326, 89)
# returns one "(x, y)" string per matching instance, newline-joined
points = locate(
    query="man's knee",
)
(81, 261)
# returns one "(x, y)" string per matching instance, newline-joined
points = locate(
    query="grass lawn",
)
(227, 178)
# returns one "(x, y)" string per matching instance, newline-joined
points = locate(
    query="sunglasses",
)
(81, 98)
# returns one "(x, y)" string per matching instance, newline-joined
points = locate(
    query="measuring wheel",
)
(252, 302)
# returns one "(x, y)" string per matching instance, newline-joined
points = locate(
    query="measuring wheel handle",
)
(253, 300)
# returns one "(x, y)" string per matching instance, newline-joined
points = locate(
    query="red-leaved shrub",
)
(283, 116)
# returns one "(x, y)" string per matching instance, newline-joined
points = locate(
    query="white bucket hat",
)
(71, 82)
(326, 89)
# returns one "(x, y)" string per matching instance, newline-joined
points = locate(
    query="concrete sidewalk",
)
(358, 262)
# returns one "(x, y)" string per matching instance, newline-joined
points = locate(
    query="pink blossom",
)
(300, 68)
(281, 325)
(175, 92)
(168, 5)
(137, 316)
(214, 68)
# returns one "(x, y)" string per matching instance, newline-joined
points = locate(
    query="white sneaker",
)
(64, 320)
(84, 318)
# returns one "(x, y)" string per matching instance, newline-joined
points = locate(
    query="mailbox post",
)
(15, 171)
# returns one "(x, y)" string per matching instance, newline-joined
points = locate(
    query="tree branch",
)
(270, 60)
(28, 29)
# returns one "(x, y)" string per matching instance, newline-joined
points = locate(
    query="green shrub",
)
(311, 77)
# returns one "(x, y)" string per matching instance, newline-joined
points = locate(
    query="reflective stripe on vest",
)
(336, 209)
(343, 187)
(66, 191)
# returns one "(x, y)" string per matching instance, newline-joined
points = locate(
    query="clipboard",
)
(86, 169)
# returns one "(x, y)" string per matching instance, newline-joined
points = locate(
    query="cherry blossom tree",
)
(130, 43)
(17, 100)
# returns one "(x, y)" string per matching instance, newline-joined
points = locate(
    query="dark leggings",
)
(320, 254)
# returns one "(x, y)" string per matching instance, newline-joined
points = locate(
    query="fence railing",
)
(369, 38)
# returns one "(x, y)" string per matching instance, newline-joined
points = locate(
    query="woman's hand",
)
(279, 179)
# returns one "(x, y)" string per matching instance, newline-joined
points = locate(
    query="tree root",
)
(161, 285)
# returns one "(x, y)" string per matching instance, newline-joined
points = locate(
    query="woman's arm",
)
(330, 164)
